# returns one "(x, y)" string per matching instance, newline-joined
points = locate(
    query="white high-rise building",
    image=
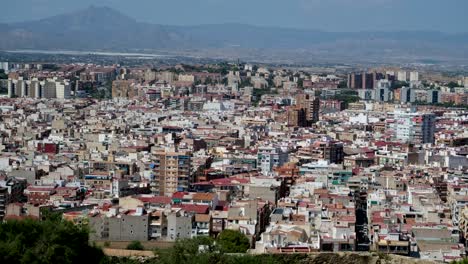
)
(466, 82)
(17, 88)
(11, 88)
(270, 157)
(407, 95)
(63, 90)
(50, 88)
(382, 91)
(434, 96)
(414, 76)
(401, 76)
(382, 94)
(413, 127)
(5, 66)
(36, 89)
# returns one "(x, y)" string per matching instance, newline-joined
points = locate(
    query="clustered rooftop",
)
(276, 154)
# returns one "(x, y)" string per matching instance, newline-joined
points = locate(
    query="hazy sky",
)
(330, 15)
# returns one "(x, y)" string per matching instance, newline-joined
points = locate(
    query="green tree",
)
(343, 84)
(453, 84)
(3, 75)
(196, 250)
(205, 250)
(346, 96)
(50, 241)
(300, 83)
(224, 70)
(257, 94)
(135, 245)
(232, 241)
(398, 84)
(225, 81)
(208, 80)
(245, 82)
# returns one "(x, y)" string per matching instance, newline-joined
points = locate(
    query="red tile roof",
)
(156, 199)
(179, 195)
(194, 208)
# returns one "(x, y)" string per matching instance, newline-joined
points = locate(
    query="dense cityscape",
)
(296, 161)
(232, 132)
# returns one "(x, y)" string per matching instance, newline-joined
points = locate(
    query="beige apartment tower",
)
(171, 173)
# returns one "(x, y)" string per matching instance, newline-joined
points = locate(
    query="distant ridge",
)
(104, 28)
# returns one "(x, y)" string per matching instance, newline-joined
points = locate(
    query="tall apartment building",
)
(365, 80)
(11, 88)
(329, 150)
(17, 88)
(172, 173)
(382, 91)
(270, 157)
(414, 76)
(311, 104)
(407, 95)
(296, 117)
(413, 127)
(355, 81)
(466, 82)
(5, 66)
(62, 90)
(434, 96)
(50, 88)
(35, 88)
(382, 94)
(11, 190)
(402, 76)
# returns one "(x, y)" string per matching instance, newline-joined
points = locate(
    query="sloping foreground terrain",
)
(313, 258)
(362, 258)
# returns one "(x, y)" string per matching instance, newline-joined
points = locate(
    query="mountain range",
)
(105, 29)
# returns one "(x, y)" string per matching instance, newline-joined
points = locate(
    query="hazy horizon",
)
(330, 15)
